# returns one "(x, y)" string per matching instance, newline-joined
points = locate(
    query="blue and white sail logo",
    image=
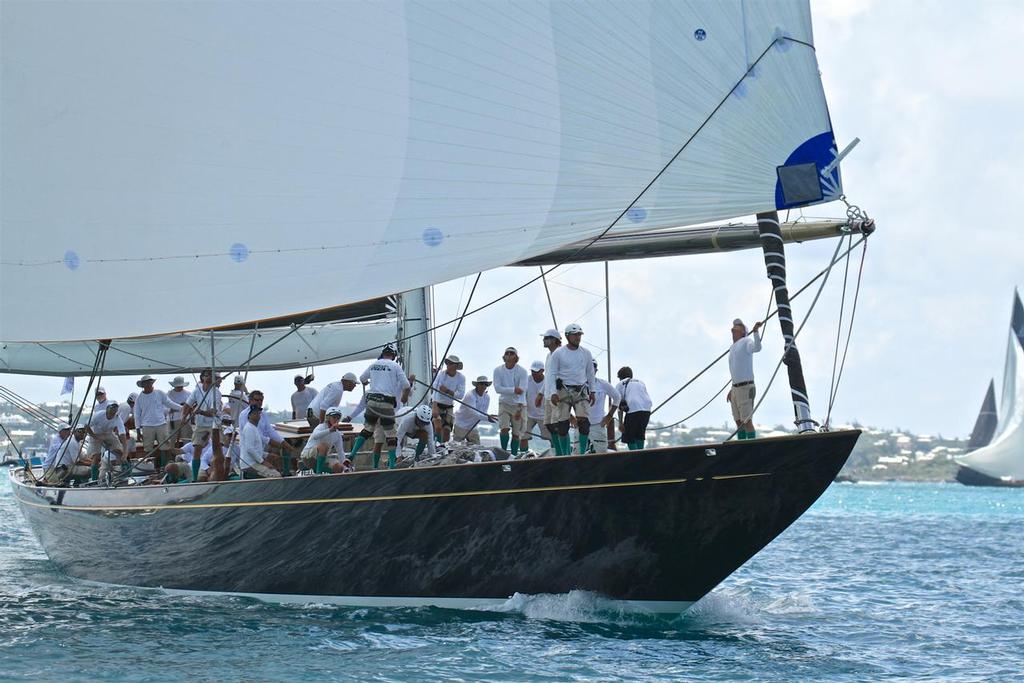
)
(239, 252)
(700, 34)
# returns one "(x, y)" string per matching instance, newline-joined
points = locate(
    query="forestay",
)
(180, 166)
(1003, 457)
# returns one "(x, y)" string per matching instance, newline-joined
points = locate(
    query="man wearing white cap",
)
(302, 397)
(535, 406)
(56, 441)
(552, 339)
(418, 424)
(473, 409)
(387, 381)
(326, 439)
(206, 404)
(449, 385)
(101, 400)
(330, 397)
(570, 384)
(179, 395)
(741, 369)
(105, 430)
(600, 414)
(510, 380)
(62, 455)
(151, 408)
(126, 411)
(238, 400)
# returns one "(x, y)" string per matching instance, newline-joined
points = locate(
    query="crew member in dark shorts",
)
(635, 404)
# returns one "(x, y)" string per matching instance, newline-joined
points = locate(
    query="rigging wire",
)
(849, 333)
(839, 336)
(551, 306)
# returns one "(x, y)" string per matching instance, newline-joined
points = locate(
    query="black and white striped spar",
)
(775, 263)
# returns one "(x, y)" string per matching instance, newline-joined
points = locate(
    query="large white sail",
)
(1003, 457)
(179, 166)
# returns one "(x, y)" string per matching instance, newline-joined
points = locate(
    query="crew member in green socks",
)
(325, 440)
(418, 424)
(388, 383)
(634, 409)
(510, 381)
(741, 369)
(570, 384)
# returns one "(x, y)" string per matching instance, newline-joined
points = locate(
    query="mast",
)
(414, 345)
(775, 263)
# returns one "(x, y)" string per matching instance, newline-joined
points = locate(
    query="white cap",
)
(552, 333)
(132, 397)
(239, 380)
(178, 382)
(573, 328)
(100, 390)
(454, 360)
(536, 366)
(423, 413)
(511, 349)
(482, 379)
(351, 377)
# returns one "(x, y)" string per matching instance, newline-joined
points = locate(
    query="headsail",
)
(1003, 458)
(985, 425)
(226, 163)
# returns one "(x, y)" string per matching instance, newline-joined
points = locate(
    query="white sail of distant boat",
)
(219, 177)
(1003, 457)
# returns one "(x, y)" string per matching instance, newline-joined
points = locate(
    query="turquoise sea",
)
(890, 581)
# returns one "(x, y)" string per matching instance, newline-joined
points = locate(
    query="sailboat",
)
(246, 179)
(996, 446)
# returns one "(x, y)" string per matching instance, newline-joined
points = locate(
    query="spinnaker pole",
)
(775, 263)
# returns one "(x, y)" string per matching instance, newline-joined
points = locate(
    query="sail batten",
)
(259, 160)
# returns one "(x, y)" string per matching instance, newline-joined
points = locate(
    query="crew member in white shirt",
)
(101, 400)
(418, 424)
(472, 410)
(330, 397)
(302, 397)
(326, 439)
(600, 414)
(635, 409)
(206, 404)
(552, 339)
(252, 456)
(270, 436)
(449, 386)
(535, 406)
(741, 370)
(182, 429)
(510, 380)
(238, 400)
(387, 380)
(126, 411)
(105, 430)
(151, 429)
(62, 459)
(569, 383)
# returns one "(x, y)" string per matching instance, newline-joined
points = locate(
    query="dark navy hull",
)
(965, 475)
(661, 526)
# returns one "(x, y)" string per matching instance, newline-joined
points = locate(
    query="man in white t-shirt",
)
(252, 456)
(151, 408)
(178, 394)
(330, 397)
(326, 440)
(600, 414)
(741, 371)
(510, 380)
(238, 400)
(634, 409)
(418, 424)
(105, 430)
(472, 410)
(552, 340)
(206, 404)
(535, 406)
(449, 386)
(302, 397)
(570, 382)
(387, 380)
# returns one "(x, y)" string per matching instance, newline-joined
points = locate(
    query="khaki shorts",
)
(510, 416)
(599, 438)
(742, 401)
(549, 411)
(446, 413)
(467, 435)
(199, 435)
(535, 426)
(94, 444)
(185, 433)
(152, 436)
(576, 401)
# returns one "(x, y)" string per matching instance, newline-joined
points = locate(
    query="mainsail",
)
(1003, 458)
(173, 167)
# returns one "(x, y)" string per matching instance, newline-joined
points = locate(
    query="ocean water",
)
(907, 581)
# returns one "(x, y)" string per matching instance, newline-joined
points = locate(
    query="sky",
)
(934, 92)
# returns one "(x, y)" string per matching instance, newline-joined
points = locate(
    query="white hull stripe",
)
(657, 606)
